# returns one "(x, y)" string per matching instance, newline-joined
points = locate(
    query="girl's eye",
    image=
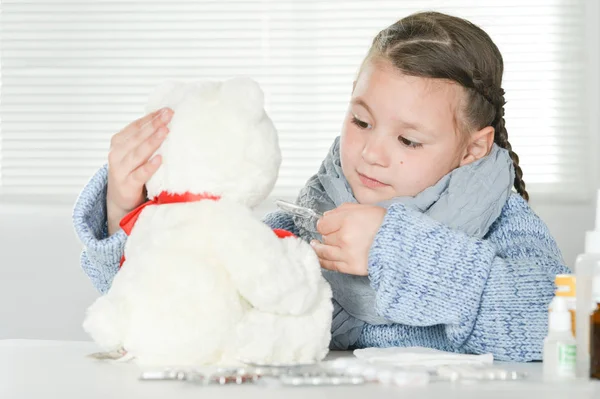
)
(359, 123)
(409, 143)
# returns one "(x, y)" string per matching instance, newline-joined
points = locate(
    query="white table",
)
(60, 369)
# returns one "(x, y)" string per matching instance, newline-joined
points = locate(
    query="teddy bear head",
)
(221, 142)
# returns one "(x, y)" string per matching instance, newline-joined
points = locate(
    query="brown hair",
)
(440, 46)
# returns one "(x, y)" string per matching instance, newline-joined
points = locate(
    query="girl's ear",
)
(480, 144)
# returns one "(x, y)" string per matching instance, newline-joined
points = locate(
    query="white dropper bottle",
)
(559, 346)
(584, 274)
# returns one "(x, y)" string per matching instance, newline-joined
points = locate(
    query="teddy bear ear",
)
(165, 94)
(245, 94)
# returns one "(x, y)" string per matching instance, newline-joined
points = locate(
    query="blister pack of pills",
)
(470, 373)
(310, 216)
(211, 377)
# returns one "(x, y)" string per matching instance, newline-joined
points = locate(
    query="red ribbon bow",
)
(164, 197)
(129, 220)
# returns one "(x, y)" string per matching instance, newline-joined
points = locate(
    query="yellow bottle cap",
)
(565, 285)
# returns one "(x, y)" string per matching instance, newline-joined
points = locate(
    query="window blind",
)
(74, 72)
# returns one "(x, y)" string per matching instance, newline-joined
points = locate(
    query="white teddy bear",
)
(204, 281)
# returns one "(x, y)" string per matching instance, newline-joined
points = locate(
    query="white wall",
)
(43, 292)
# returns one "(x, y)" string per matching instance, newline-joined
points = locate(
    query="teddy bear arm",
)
(272, 274)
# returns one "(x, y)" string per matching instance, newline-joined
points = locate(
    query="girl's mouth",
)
(370, 182)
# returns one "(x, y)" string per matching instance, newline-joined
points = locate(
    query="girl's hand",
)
(130, 166)
(348, 232)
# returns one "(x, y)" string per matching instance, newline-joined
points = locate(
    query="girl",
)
(419, 188)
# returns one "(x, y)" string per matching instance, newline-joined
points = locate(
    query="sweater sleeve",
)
(280, 220)
(101, 254)
(490, 295)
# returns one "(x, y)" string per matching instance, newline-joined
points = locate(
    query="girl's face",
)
(399, 135)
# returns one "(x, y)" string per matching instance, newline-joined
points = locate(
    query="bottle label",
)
(567, 359)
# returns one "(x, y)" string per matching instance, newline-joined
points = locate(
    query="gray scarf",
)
(469, 198)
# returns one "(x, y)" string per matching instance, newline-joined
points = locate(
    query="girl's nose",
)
(375, 152)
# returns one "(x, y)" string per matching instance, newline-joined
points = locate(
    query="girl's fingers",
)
(330, 222)
(335, 266)
(344, 207)
(332, 239)
(162, 118)
(136, 132)
(142, 174)
(328, 252)
(134, 127)
(154, 119)
(140, 155)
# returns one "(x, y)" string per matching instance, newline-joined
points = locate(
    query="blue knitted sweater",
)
(442, 288)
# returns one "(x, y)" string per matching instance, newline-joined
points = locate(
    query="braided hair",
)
(495, 96)
(440, 46)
